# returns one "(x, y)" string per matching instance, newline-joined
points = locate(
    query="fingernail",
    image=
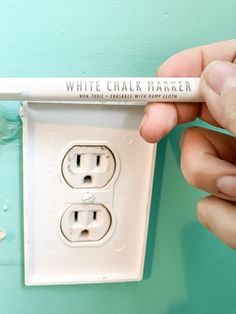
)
(143, 121)
(227, 185)
(220, 76)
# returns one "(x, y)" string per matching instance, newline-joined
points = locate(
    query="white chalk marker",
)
(133, 89)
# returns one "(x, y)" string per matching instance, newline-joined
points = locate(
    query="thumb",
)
(218, 85)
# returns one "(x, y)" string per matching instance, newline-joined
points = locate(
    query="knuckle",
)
(189, 132)
(190, 164)
(228, 106)
(204, 211)
(191, 173)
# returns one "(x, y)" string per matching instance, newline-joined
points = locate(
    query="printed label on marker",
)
(134, 89)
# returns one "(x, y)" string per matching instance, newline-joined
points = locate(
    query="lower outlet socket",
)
(85, 223)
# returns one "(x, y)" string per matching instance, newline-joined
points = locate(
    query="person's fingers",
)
(163, 117)
(190, 62)
(208, 161)
(219, 217)
(218, 84)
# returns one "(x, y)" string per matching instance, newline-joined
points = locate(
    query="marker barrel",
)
(143, 89)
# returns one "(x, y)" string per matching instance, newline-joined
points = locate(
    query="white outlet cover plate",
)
(50, 129)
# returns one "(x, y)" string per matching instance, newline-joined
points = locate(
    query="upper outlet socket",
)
(88, 166)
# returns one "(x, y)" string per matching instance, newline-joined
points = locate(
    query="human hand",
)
(208, 158)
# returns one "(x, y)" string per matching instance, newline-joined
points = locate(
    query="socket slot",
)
(88, 166)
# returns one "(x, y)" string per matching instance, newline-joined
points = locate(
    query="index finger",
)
(160, 118)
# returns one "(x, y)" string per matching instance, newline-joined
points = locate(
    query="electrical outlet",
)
(87, 188)
(82, 223)
(88, 166)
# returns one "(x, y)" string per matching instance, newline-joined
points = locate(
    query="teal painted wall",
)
(187, 269)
